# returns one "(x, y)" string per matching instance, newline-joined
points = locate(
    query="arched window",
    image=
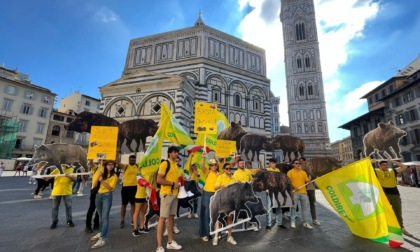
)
(310, 89)
(237, 100)
(307, 62)
(299, 128)
(55, 130)
(319, 127)
(299, 63)
(301, 91)
(300, 31)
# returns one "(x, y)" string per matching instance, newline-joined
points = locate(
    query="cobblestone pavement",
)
(25, 227)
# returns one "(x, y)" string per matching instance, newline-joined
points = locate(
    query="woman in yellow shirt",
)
(208, 191)
(222, 182)
(108, 180)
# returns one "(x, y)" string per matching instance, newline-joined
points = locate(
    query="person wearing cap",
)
(268, 204)
(62, 190)
(222, 181)
(211, 174)
(241, 175)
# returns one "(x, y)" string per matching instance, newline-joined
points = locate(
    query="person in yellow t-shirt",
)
(95, 170)
(108, 181)
(388, 179)
(62, 190)
(222, 181)
(223, 161)
(140, 209)
(241, 175)
(211, 174)
(129, 188)
(169, 186)
(298, 179)
(194, 175)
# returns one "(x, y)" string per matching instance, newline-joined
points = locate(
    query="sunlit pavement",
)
(25, 226)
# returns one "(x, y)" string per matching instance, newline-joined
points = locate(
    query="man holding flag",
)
(388, 179)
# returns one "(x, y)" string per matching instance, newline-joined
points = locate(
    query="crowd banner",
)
(205, 118)
(357, 196)
(225, 148)
(103, 142)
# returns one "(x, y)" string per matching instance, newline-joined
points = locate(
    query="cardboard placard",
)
(103, 142)
(225, 148)
(205, 120)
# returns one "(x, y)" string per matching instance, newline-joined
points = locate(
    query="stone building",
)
(30, 104)
(342, 150)
(305, 88)
(56, 132)
(181, 67)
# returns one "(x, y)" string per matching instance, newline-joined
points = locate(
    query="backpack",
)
(153, 180)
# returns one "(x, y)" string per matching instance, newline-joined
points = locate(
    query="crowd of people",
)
(218, 175)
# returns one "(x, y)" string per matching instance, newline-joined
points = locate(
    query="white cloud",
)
(105, 15)
(339, 22)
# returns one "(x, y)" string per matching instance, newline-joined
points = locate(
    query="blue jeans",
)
(268, 217)
(67, 203)
(103, 206)
(303, 198)
(204, 228)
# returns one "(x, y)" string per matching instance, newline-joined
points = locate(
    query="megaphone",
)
(182, 194)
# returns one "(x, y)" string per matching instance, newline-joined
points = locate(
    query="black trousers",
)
(91, 211)
(40, 184)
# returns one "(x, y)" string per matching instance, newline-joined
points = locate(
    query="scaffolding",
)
(8, 135)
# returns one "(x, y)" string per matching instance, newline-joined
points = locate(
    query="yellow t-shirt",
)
(298, 178)
(111, 181)
(195, 177)
(224, 180)
(62, 185)
(141, 190)
(242, 176)
(98, 170)
(130, 173)
(181, 173)
(386, 178)
(272, 169)
(172, 176)
(211, 178)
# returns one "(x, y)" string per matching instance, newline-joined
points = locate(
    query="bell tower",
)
(305, 89)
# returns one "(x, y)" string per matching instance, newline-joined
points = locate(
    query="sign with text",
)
(225, 148)
(205, 118)
(103, 142)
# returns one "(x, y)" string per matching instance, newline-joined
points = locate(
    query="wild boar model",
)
(58, 154)
(275, 183)
(234, 133)
(232, 198)
(384, 139)
(289, 145)
(255, 143)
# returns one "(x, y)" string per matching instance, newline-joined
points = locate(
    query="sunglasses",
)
(297, 163)
(227, 168)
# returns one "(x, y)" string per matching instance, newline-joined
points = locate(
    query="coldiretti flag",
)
(355, 193)
(222, 123)
(169, 129)
(174, 132)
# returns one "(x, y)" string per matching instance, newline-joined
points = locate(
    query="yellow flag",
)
(196, 158)
(357, 196)
(174, 132)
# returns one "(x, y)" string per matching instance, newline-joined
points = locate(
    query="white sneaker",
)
(41, 193)
(173, 245)
(99, 243)
(190, 216)
(307, 225)
(231, 240)
(96, 237)
(160, 249)
(292, 225)
(80, 194)
(205, 238)
(196, 216)
(316, 222)
(37, 197)
(176, 230)
(215, 240)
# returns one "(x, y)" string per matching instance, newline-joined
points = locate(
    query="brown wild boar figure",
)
(289, 144)
(85, 120)
(233, 133)
(275, 183)
(137, 129)
(255, 143)
(384, 139)
(320, 166)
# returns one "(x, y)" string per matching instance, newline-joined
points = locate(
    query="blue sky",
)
(80, 45)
